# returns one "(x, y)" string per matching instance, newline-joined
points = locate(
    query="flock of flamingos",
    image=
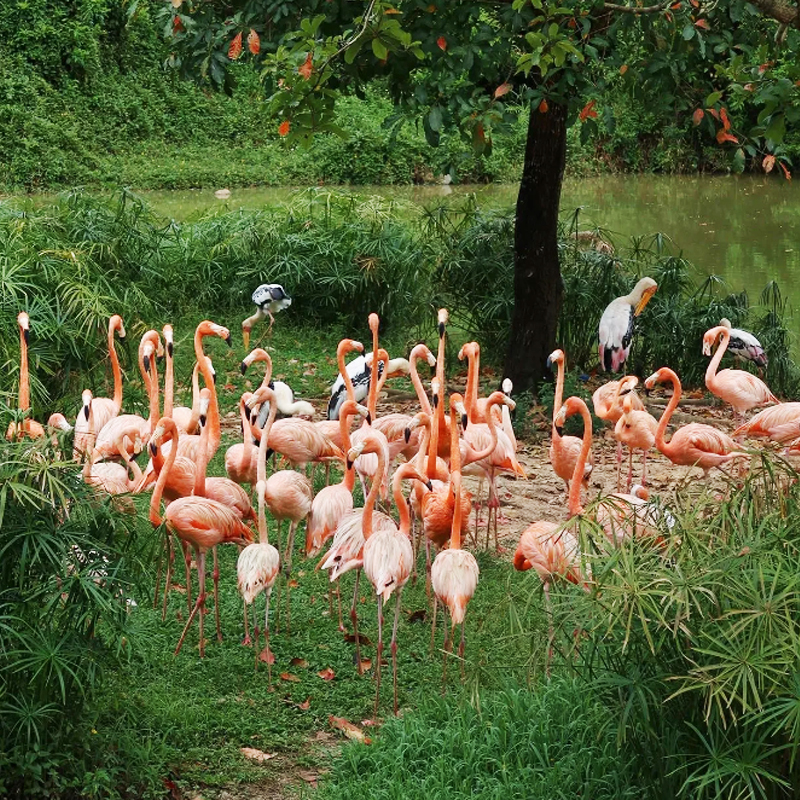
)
(448, 438)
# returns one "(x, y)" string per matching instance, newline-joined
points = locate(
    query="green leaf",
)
(435, 118)
(776, 129)
(738, 161)
(380, 50)
(688, 32)
(712, 99)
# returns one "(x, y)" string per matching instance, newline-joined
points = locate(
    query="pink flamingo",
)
(187, 419)
(564, 450)
(241, 459)
(331, 427)
(388, 561)
(781, 423)
(637, 431)
(259, 563)
(454, 574)
(693, 445)
(105, 408)
(199, 521)
(26, 426)
(737, 387)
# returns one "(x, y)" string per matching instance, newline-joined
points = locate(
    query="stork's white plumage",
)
(617, 324)
(270, 298)
(288, 406)
(359, 371)
(744, 345)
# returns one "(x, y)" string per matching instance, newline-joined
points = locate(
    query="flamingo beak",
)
(441, 330)
(203, 420)
(464, 421)
(86, 412)
(146, 362)
(153, 449)
(407, 435)
(229, 340)
(26, 334)
(243, 368)
(170, 349)
(560, 430)
(369, 418)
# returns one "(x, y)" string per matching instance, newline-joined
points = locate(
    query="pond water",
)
(746, 229)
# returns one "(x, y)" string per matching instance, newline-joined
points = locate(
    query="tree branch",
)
(779, 10)
(639, 9)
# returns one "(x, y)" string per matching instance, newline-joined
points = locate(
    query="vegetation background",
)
(85, 100)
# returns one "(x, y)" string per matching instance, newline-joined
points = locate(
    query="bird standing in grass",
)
(618, 324)
(270, 298)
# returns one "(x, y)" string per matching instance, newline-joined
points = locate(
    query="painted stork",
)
(270, 298)
(617, 324)
(744, 345)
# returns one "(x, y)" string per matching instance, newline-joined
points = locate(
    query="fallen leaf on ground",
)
(305, 705)
(287, 676)
(256, 755)
(417, 616)
(366, 663)
(351, 637)
(293, 584)
(310, 778)
(348, 729)
(266, 656)
(327, 674)
(299, 662)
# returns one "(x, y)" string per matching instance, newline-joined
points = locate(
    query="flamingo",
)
(241, 459)
(695, 444)
(330, 426)
(198, 521)
(185, 418)
(104, 437)
(637, 431)
(620, 515)
(259, 563)
(346, 550)
(552, 549)
(388, 561)
(781, 423)
(739, 388)
(744, 345)
(105, 408)
(270, 298)
(564, 450)
(454, 574)
(27, 426)
(476, 406)
(618, 324)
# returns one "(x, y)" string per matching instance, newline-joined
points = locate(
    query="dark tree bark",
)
(538, 287)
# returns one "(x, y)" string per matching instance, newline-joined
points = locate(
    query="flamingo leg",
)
(619, 463)
(379, 656)
(644, 467)
(168, 579)
(187, 562)
(247, 641)
(215, 575)
(288, 567)
(630, 468)
(427, 566)
(339, 604)
(433, 624)
(197, 606)
(201, 570)
(268, 592)
(461, 651)
(550, 631)
(447, 643)
(394, 647)
(354, 619)
(158, 576)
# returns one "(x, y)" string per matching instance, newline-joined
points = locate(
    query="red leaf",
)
(543, 107)
(327, 674)
(287, 676)
(768, 163)
(676, 6)
(623, 69)
(502, 89)
(177, 25)
(714, 113)
(299, 662)
(266, 656)
(350, 731)
(701, 23)
(723, 115)
(764, 67)
(235, 50)
(723, 136)
(305, 705)
(480, 133)
(786, 172)
(253, 42)
(588, 111)
(442, 43)
(283, 128)
(307, 68)
(697, 117)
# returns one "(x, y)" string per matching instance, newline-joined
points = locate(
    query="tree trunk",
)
(538, 287)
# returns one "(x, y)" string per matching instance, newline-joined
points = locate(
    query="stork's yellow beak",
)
(648, 293)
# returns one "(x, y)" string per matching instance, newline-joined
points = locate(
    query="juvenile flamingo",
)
(104, 408)
(454, 574)
(695, 444)
(258, 564)
(200, 522)
(388, 561)
(27, 426)
(637, 431)
(739, 388)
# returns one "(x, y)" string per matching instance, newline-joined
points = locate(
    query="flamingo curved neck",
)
(575, 507)
(341, 352)
(112, 354)
(671, 406)
(169, 383)
(400, 500)
(213, 406)
(369, 505)
(471, 393)
(345, 415)
(559, 395)
(455, 481)
(424, 402)
(170, 432)
(711, 369)
(24, 378)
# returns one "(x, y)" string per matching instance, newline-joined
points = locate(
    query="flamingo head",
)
(556, 357)
(24, 322)
(168, 339)
(115, 324)
(469, 350)
(443, 318)
(457, 403)
(507, 386)
(710, 338)
(86, 399)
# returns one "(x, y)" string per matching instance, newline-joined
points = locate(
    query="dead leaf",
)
(299, 662)
(267, 657)
(293, 584)
(309, 777)
(418, 615)
(362, 639)
(287, 676)
(348, 729)
(327, 674)
(366, 663)
(305, 705)
(256, 755)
